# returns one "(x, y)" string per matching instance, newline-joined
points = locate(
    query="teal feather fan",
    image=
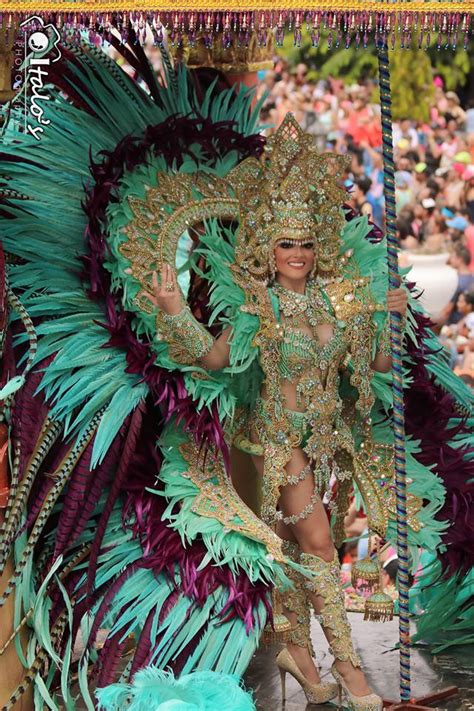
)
(94, 391)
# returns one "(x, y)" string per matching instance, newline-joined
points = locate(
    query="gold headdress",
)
(292, 192)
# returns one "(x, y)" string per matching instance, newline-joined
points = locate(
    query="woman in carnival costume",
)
(127, 395)
(313, 323)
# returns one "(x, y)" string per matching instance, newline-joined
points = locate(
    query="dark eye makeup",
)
(289, 244)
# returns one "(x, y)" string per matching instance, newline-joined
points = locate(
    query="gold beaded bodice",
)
(297, 354)
(305, 341)
(303, 358)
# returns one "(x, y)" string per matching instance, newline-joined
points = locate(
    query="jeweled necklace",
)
(292, 304)
(311, 304)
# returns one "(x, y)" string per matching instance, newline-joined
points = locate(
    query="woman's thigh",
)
(312, 532)
(283, 531)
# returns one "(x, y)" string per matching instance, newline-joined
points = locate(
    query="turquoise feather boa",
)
(156, 689)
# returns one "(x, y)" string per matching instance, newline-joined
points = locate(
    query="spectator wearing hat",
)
(421, 178)
(390, 571)
(427, 218)
(457, 226)
(403, 188)
(447, 213)
(389, 561)
(405, 130)
(460, 260)
(463, 155)
(440, 176)
(453, 111)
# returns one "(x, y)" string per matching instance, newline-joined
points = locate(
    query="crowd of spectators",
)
(434, 178)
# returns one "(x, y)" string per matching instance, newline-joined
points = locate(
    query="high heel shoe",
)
(326, 584)
(370, 702)
(316, 693)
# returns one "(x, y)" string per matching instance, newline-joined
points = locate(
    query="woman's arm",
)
(218, 356)
(397, 300)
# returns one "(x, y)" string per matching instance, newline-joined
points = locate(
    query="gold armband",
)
(188, 340)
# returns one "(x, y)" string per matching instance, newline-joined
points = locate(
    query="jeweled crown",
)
(293, 191)
(291, 217)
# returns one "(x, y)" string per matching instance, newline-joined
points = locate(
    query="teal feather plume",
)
(153, 688)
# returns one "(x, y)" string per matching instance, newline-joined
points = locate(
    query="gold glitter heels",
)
(370, 702)
(315, 693)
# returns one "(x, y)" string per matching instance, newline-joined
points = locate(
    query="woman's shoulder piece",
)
(349, 297)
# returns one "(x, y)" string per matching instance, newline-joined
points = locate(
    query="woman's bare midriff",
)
(288, 389)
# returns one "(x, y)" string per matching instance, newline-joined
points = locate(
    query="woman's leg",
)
(296, 603)
(297, 608)
(313, 533)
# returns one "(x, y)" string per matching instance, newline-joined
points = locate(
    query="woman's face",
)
(294, 260)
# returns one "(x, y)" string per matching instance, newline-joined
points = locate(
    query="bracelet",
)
(188, 340)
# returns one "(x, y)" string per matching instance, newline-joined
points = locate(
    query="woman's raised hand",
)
(166, 294)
